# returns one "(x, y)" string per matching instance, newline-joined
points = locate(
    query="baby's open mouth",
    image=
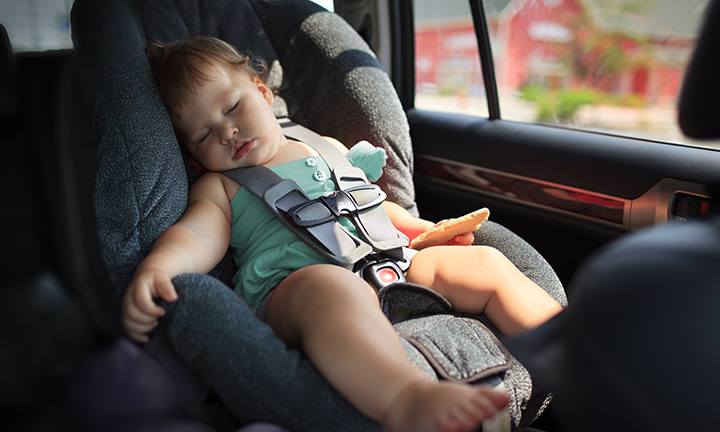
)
(242, 148)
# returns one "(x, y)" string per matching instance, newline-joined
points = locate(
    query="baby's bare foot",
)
(429, 406)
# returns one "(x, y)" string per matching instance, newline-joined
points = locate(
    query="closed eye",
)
(204, 137)
(233, 108)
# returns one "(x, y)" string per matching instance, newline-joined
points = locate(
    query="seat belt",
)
(379, 256)
(320, 229)
(380, 231)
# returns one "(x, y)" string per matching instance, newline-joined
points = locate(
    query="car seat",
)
(328, 80)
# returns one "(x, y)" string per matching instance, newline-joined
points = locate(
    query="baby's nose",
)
(230, 134)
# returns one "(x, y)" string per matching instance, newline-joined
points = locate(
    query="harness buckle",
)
(341, 203)
(381, 270)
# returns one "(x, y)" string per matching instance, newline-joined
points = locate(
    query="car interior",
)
(565, 189)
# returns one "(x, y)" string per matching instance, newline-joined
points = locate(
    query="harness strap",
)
(333, 157)
(315, 221)
(329, 238)
(374, 222)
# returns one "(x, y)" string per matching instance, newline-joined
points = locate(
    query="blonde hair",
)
(179, 67)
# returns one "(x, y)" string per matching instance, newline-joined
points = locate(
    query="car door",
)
(557, 115)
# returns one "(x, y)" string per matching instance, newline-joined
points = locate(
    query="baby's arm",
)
(405, 222)
(413, 226)
(195, 244)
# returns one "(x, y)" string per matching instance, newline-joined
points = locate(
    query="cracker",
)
(446, 231)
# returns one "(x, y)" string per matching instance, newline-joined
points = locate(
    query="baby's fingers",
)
(132, 313)
(137, 334)
(142, 301)
(137, 324)
(165, 290)
(463, 239)
(143, 327)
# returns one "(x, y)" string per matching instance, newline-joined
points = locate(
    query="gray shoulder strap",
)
(280, 196)
(257, 179)
(333, 157)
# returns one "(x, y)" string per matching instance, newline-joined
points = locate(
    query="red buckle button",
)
(387, 275)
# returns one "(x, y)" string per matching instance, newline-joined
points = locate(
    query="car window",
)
(327, 4)
(39, 25)
(612, 66)
(448, 76)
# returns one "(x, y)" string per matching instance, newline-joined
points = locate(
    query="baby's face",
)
(229, 123)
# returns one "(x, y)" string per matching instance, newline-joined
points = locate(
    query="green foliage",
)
(598, 52)
(559, 105)
(531, 93)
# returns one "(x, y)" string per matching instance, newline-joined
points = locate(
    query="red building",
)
(641, 49)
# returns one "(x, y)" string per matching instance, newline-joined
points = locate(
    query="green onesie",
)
(264, 250)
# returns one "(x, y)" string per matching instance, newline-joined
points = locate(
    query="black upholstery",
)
(635, 350)
(61, 148)
(699, 110)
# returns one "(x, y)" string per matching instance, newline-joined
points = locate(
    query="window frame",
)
(487, 64)
(403, 49)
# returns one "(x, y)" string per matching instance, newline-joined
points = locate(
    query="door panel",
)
(566, 192)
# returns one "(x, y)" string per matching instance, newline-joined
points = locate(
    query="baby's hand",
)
(140, 313)
(463, 239)
(452, 231)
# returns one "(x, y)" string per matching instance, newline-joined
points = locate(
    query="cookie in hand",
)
(446, 231)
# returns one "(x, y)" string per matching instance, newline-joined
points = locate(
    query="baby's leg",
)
(335, 316)
(480, 279)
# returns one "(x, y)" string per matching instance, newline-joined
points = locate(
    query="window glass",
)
(37, 25)
(327, 4)
(447, 64)
(612, 66)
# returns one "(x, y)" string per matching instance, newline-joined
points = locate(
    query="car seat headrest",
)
(699, 107)
(8, 76)
(635, 348)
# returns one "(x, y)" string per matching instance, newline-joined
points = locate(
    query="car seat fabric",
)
(248, 367)
(142, 182)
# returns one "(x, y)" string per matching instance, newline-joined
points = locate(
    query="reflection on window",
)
(327, 4)
(37, 25)
(606, 65)
(447, 65)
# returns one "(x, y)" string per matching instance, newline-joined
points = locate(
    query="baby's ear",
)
(265, 90)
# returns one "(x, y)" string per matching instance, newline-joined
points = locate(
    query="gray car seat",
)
(328, 80)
